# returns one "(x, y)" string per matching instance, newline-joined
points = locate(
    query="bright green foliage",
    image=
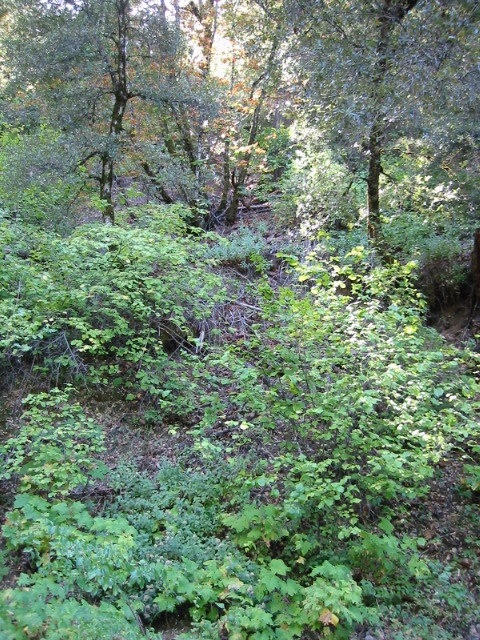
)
(427, 208)
(105, 304)
(318, 188)
(44, 609)
(277, 159)
(257, 524)
(264, 603)
(93, 554)
(472, 475)
(74, 553)
(241, 248)
(44, 194)
(173, 556)
(54, 450)
(271, 408)
(358, 375)
(179, 520)
(429, 218)
(339, 382)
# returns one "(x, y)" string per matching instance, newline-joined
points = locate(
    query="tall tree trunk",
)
(118, 74)
(373, 184)
(239, 183)
(166, 197)
(226, 177)
(475, 266)
(392, 12)
(108, 159)
(192, 148)
(231, 214)
(106, 187)
(277, 121)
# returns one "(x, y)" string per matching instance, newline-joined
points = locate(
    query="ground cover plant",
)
(311, 440)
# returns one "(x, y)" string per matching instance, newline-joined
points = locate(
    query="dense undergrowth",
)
(230, 416)
(313, 434)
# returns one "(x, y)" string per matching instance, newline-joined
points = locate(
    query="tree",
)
(378, 71)
(390, 16)
(89, 66)
(255, 32)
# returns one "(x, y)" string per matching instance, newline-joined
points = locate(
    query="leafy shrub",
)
(106, 305)
(339, 388)
(241, 248)
(439, 250)
(177, 512)
(318, 190)
(44, 609)
(32, 189)
(471, 481)
(93, 554)
(357, 377)
(55, 447)
(173, 557)
(264, 602)
(275, 162)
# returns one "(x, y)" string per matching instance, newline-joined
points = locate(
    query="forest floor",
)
(446, 518)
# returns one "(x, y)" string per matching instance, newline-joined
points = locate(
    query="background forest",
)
(239, 319)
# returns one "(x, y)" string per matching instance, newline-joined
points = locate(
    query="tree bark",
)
(226, 177)
(166, 197)
(373, 184)
(118, 74)
(108, 159)
(475, 269)
(231, 214)
(391, 14)
(239, 183)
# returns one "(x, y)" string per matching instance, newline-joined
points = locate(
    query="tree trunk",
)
(106, 187)
(108, 159)
(226, 177)
(238, 185)
(166, 197)
(475, 266)
(373, 184)
(391, 14)
(232, 211)
(120, 90)
(231, 214)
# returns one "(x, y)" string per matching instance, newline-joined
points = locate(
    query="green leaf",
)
(278, 567)
(386, 525)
